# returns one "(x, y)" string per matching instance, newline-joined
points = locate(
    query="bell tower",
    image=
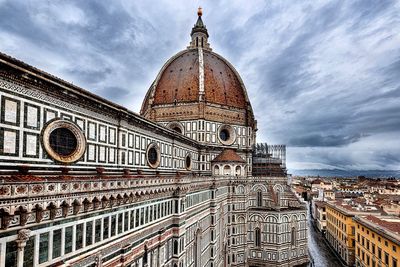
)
(199, 33)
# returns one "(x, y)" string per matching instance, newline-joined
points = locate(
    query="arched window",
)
(201, 41)
(145, 257)
(257, 237)
(176, 247)
(259, 198)
(216, 170)
(278, 197)
(197, 41)
(227, 170)
(238, 171)
(293, 236)
(177, 129)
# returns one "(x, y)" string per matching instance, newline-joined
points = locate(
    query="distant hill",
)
(345, 173)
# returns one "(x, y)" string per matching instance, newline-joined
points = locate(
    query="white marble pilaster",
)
(84, 235)
(101, 229)
(109, 226)
(134, 218)
(93, 231)
(62, 240)
(129, 219)
(73, 237)
(2, 254)
(50, 245)
(22, 238)
(123, 220)
(36, 251)
(116, 225)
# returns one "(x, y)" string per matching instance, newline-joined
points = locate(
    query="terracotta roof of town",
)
(355, 204)
(320, 203)
(391, 226)
(228, 155)
(316, 181)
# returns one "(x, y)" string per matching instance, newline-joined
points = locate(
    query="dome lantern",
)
(199, 33)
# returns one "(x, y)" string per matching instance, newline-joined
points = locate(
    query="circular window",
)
(226, 134)
(63, 141)
(188, 162)
(153, 155)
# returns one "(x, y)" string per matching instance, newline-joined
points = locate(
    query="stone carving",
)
(23, 235)
(4, 190)
(98, 261)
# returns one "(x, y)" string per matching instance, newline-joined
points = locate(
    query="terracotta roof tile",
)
(180, 80)
(228, 155)
(391, 226)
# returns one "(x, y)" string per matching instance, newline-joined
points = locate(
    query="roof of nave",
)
(27, 74)
(228, 155)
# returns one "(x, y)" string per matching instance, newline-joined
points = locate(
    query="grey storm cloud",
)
(315, 140)
(323, 76)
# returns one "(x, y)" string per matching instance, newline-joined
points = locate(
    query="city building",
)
(340, 227)
(319, 215)
(86, 182)
(319, 184)
(378, 240)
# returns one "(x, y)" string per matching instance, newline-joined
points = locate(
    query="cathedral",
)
(86, 182)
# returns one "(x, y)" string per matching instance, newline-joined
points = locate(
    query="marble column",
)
(62, 241)
(129, 219)
(51, 245)
(22, 238)
(84, 235)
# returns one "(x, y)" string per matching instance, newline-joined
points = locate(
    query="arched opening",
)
(145, 257)
(257, 237)
(293, 236)
(197, 41)
(216, 170)
(278, 198)
(188, 162)
(175, 247)
(202, 42)
(238, 171)
(259, 198)
(177, 129)
(227, 170)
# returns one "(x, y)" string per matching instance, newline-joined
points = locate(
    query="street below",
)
(320, 253)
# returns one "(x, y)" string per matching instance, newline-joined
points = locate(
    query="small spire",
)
(199, 33)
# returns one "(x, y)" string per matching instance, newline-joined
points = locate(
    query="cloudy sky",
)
(323, 76)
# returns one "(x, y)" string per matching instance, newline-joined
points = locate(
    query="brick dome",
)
(198, 78)
(178, 82)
